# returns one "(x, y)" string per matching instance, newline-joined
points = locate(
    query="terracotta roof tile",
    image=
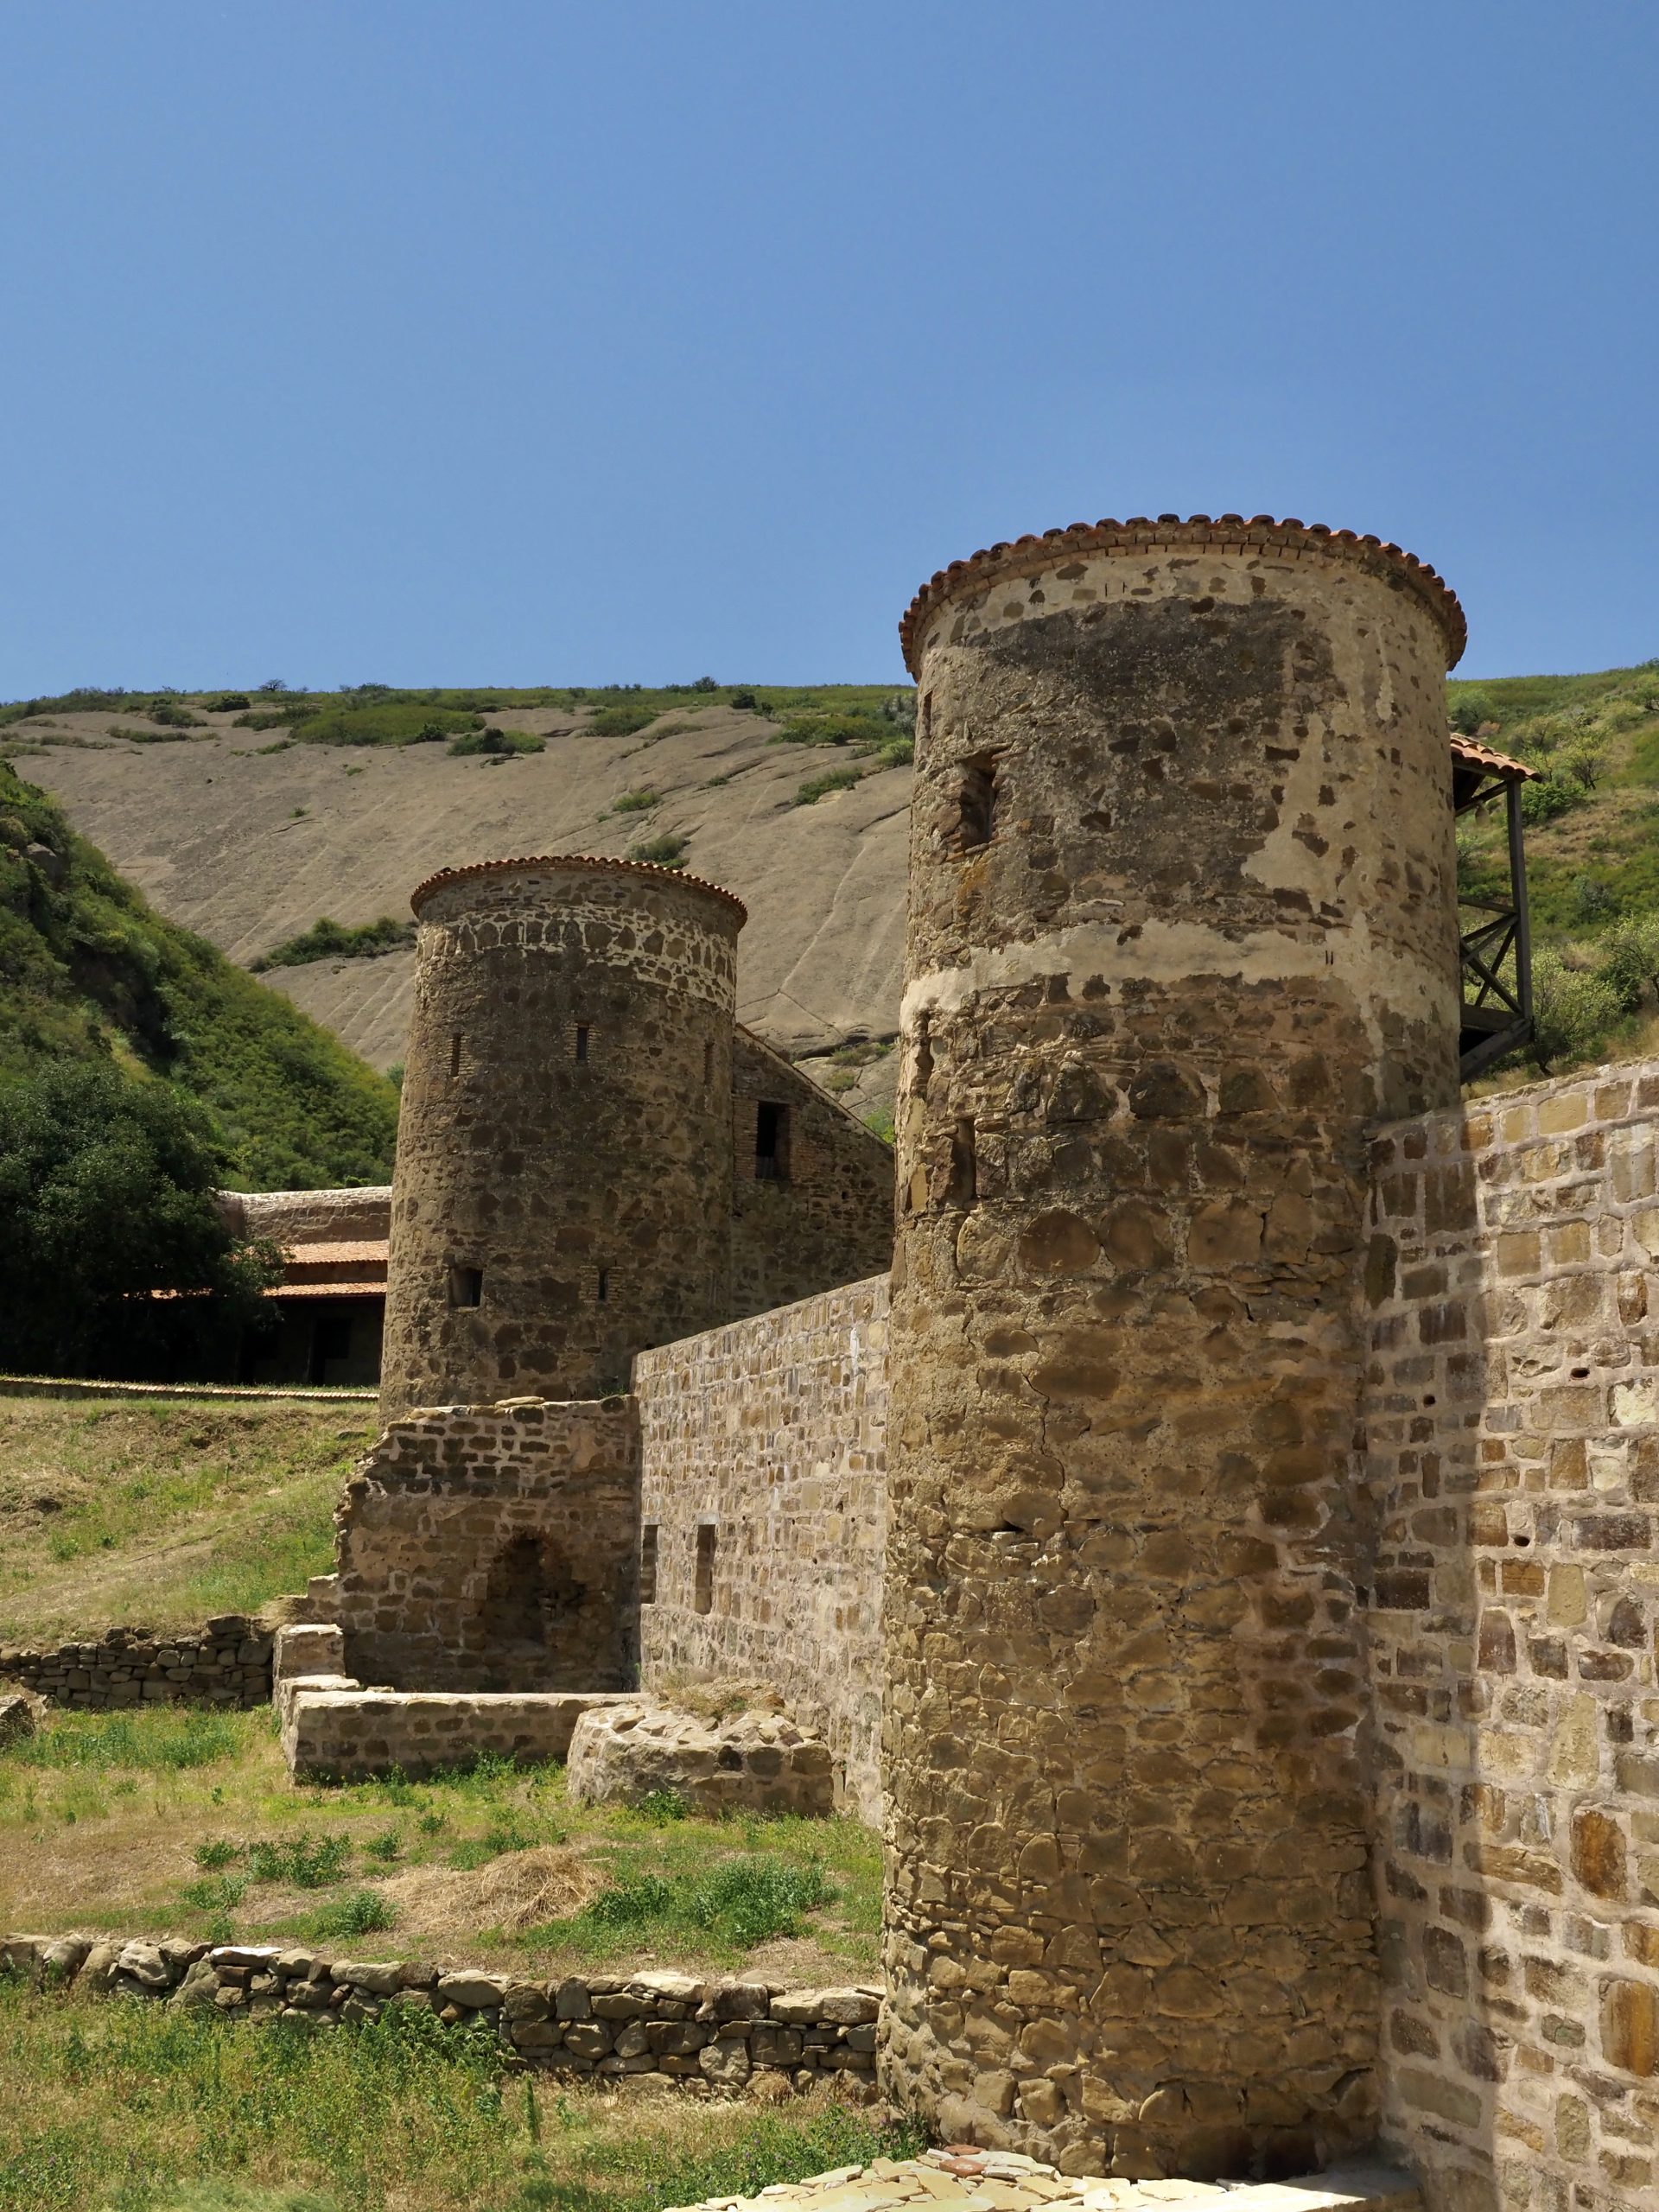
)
(600, 860)
(1482, 756)
(1141, 534)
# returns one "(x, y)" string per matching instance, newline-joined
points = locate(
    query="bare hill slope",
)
(250, 845)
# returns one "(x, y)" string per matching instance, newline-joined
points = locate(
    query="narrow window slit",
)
(602, 1287)
(977, 798)
(455, 1053)
(466, 1285)
(965, 1164)
(582, 1041)
(648, 1564)
(703, 1596)
(771, 1142)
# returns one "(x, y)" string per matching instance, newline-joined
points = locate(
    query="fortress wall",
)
(828, 1219)
(493, 1548)
(772, 1434)
(1512, 1420)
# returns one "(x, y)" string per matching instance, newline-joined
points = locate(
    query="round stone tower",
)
(562, 1195)
(1182, 923)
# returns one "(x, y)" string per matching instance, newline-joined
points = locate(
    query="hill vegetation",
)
(89, 973)
(1592, 848)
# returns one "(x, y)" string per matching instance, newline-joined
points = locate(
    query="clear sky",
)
(511, 342)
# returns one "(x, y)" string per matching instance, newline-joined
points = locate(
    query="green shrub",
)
(134, 736)
(1630, 962)
(331, 940)
(501, 744)
(171, 716)
(668, 851)
(640, 801)
(231, 702)
(1548, 798)
(1575, 1009)
(621, 722)
(309, 1862)
(386, 722)
(361, 1912)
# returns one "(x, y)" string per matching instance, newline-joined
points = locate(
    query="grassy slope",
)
(165, 1822)
(134, 2108)
(86, 968)
(163, 1513)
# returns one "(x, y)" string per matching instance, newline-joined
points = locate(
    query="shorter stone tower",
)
(562, 1196)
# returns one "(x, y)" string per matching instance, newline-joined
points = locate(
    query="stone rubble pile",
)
(663, 2027)
(962, 2178)
(755, 1761)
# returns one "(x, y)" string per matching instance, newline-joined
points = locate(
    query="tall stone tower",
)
(1182, 922)
(562, 1195)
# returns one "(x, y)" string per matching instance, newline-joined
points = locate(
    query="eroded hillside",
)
(248, 840)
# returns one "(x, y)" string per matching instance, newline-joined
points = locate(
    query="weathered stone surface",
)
(20, 1711)
(1182, 922)
(762, 1493)
(1513, 1466)
(336, 1732)
(752, 1762)
(227, 1662)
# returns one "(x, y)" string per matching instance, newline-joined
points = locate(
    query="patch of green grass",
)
(309, 1862)
(833, 780)
(732, 1906)
(639, 802)
(164, 1740)
(136, 736)
(166, 1511)
(137, 2108)
(332, 940)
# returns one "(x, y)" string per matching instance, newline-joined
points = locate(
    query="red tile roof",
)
(1482, 756)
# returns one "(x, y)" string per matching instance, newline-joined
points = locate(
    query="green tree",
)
(107, 1187)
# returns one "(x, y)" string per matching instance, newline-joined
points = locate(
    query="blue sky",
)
(510, 341)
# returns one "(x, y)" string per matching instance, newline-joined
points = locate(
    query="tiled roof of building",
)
(1471, 754)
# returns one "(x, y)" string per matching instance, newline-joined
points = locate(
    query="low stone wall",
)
(494, 1548)
(225, 1661)
(763, 1496)
(1512, 1427)
(662, 2027)
(333, 1730)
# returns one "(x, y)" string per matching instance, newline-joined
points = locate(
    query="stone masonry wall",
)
(672, 2027)
(493, 1548)
(1512, 1420)
(771, 1436)
(828, 1218)
(225, 1661)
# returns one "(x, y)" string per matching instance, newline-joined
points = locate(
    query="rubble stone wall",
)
(766, 1442)
(225, 1661)
(1512, 1426)
(828, 1219)
(494, 1548)
(671, 2028)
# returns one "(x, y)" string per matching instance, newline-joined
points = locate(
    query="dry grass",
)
(516, 1892)
(163, 1512)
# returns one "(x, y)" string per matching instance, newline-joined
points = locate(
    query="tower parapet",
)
(1182, 922)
